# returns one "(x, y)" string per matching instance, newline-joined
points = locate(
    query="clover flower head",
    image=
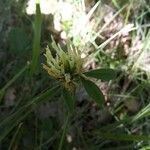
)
(65, 65)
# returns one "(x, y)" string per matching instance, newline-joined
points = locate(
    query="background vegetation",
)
(110, 34)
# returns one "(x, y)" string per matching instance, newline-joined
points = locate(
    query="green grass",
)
(9, 83)
(36, 40)
(40, 117)
(15, 118)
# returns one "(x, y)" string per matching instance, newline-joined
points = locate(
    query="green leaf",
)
(124, 137)
(60, 147)
(36, 40)
(103, 74)
(69, 99)
(145, 148)
(9, 83)
(93, 90)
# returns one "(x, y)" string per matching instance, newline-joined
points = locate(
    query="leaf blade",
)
(93, 91)
(123, 137)
(105, 74)
(37, 27)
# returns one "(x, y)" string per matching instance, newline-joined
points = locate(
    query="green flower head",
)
(64, 66)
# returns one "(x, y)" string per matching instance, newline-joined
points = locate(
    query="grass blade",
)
(63, 134)
(9, 83)
(36, 39)
(124, 137)
(144, 112)
(10, 122)
(14, 137)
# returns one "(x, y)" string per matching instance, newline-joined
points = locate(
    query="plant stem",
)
(63, 134)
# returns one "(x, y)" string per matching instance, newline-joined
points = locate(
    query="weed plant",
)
(45, 112)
